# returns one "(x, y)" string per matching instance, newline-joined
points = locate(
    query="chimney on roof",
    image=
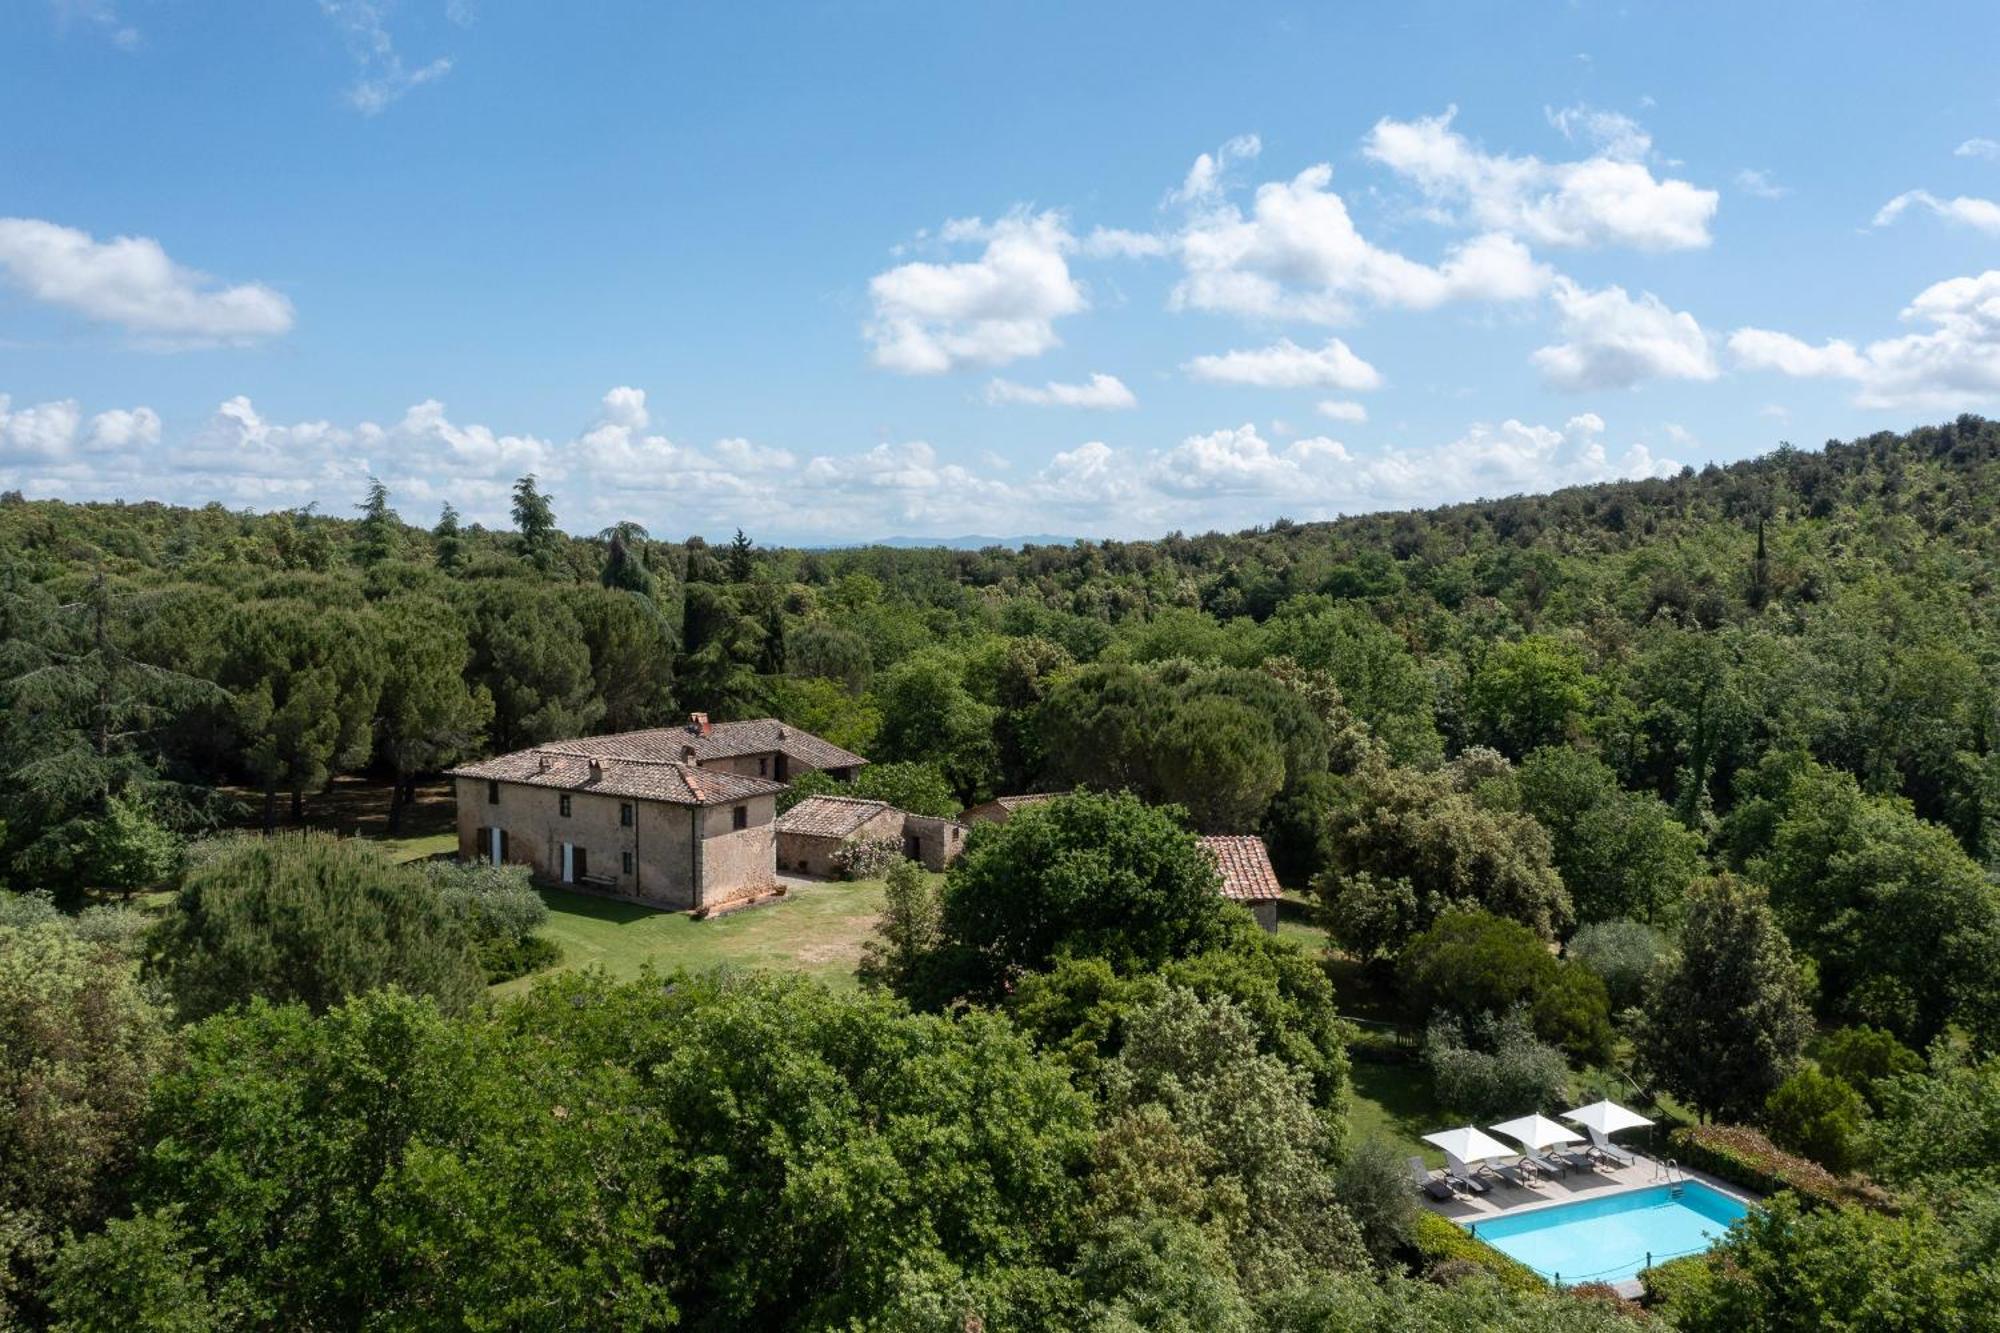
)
(596, 768)
(698, 723)
(687, 754)
(781, 733)
(542, 762)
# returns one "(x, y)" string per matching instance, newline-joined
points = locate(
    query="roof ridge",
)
(621, 759)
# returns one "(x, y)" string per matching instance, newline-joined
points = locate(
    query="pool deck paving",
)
(1504, 1200)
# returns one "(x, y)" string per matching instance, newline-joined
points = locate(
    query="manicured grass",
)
(1298, 921)
(422, 847)
(1394, 1102)
(817, 929)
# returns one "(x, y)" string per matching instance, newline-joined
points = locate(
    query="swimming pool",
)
(1609, 1239)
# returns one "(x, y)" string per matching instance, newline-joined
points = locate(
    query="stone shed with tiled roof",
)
(1001, 808)
(1247, 876)
(675, 817)
(814, 830)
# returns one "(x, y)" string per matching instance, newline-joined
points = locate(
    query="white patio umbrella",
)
(1469, 1144)
(1536, 1132)
(1606, 1117)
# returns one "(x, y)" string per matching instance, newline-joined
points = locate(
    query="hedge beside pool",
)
(1439, 1240)
(1743, 1156)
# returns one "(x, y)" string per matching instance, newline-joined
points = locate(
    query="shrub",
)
(899, 955)
(1439, 1241)
(1373, 1185)
(1507, 1071)
(1864, 1057)
(1671, 1282)
(1621, 954)
(1743, 1156)
(505, 959)
(866, 858)
(79, 1041)
(1832, 1269)
(1818, 1115)
(494, 902)
(1469, 963)
(34, 908)
(120, 928)
(1084, 874)
(310, 918)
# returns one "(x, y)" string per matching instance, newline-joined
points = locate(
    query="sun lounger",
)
(1513, 1175)
(1604, 1147)
(1541, 1163)
(1582, 1161)
(1463, 1176)
(1421, 1177)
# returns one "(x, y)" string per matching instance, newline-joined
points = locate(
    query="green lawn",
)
(422, 846)
(1298, 921)
(817, 930)
(1393, 1102)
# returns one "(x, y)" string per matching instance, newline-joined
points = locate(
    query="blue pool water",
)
(1608, 1239)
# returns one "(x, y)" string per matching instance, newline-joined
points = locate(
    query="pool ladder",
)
(1670, 1171)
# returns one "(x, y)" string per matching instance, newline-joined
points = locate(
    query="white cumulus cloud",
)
(130, 281)
(1286, 365)
(930, 318)
(1205, 179)
(1985, 148)
(1953, 363)
(1611, 340)
(1609, 198)
(1100, 393)
(1337, 409)
(617, 467)
(1979, 214)
(1297, 254)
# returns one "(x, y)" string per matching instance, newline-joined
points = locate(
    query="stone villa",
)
(677, 817)
(685, 818)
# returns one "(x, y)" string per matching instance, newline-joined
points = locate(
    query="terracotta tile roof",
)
(724, 740)
(561, 766)
(829, 816)
(1013, 803)
(1003, 807)
(1246, 867)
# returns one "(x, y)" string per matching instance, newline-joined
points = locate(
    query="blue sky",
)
(838, 272)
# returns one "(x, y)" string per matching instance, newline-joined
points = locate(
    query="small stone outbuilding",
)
(1001, 808)
(934, 843)
(1247, 876)
(811, 832)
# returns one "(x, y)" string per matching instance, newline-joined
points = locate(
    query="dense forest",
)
(1688, 785)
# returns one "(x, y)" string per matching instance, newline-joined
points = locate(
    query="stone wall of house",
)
(764, 766)
(734, 861)
(804, 854)
(537, 829)
(660, 842)
(937, 842)
(800, 853)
